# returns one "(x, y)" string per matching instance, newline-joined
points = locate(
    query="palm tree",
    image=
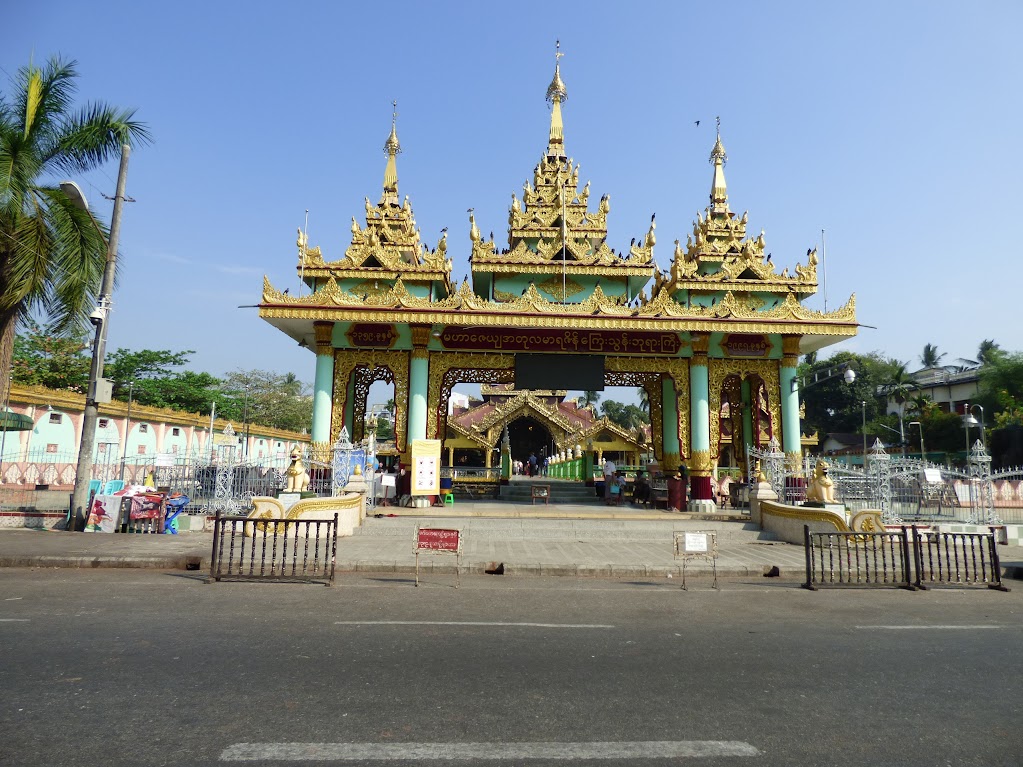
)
(931, 358)
(900, 385)
(590, 398)
(51, 252)
(988, 351)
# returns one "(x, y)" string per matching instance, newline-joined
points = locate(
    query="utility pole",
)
(100, 318)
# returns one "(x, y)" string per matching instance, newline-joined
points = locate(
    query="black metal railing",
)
(956, 559)
(857, 559)
(301, 550)
(907, 558)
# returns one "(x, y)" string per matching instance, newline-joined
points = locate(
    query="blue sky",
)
(894, 126)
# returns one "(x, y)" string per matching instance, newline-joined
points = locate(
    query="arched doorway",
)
(527, 436)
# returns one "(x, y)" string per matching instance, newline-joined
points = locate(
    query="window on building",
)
(176, 433)
(142, 450)
(174, 448)
(103, 423)
(143, 428)
(56, 417)
(51, 448)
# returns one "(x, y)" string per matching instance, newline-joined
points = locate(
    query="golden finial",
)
(556, 91)
(391, 146)
(719, 149)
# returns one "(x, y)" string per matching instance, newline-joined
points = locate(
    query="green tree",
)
(931, 358)
(270, 399)
(834, 406)
(627, 416)
(590, 398)
(1001, 389)
(43, 358)
(51, 254)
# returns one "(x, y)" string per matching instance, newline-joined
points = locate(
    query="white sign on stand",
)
(697, 544)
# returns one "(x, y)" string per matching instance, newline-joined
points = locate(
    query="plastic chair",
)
(113, 486)
(174, 507)
(94, 486)
(446, 494)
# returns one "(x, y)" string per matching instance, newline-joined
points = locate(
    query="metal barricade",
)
(857, 559)
(956, 559)
(884, 559)
(302, 550)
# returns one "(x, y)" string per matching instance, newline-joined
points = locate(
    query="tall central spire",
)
(556, 93)
(719, 190)
(392, 148)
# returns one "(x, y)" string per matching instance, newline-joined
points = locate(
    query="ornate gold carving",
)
(324, 332)
(794, 462)
(345, 364)
(553, 287)
(805, 513)
(420, 353)
(420, 334)
(700, 343)
(700, 464)
(670, 462)
(719, 370)
(631, 371)
(453, 367)
(790, 345)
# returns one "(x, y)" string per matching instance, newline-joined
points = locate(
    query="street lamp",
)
(99, 389)
(923, 454)
(983, 439)
(968, 421)
(127, 431)
(864, 403)
(245, 418)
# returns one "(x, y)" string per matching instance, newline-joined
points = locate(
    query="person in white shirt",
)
(609, 475)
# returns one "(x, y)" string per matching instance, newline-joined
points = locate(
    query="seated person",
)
(617, 489)
(641, 489)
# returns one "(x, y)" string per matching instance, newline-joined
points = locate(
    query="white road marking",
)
(926, 628)
(14, 620)
(476, 623)
(341, 752)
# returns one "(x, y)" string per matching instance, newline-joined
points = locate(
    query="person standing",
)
(532, 464)
(609, 475)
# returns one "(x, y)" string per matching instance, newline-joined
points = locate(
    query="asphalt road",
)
(149, 668)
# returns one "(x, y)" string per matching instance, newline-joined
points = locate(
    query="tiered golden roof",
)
(551, 230)
(719, 256)
(389, 246)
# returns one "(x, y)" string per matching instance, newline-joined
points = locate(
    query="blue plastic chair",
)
(174, 507)
(94, 486)
(113, 486)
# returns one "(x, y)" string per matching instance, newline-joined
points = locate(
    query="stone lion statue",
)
(822, 488)
(298, 477)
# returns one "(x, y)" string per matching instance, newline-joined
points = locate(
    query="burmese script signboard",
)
(746, 345)
(372, 335)
(582, 341)
(439, 541)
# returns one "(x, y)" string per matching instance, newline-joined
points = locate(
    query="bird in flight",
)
(697, 122)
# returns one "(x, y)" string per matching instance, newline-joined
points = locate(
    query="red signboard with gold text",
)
(583, 341)
(372, 335)
(746, 345)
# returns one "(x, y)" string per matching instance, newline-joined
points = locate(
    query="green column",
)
(748, 437)
(670, 448)
(419, 381)
(791, 444)
(701, 491)
(322, 390)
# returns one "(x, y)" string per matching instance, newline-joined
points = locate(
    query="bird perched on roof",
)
(286, 291)
(768, 258)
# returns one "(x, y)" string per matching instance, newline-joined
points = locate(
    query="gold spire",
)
(556, 93)
(719, 190)
(392, 148)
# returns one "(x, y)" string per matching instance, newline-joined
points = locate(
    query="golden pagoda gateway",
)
(720, 331)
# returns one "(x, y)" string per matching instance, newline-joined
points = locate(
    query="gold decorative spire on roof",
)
(556, 93)
(392, 148)
(719, 190)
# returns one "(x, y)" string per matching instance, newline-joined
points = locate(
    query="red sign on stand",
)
(436, 539)
(440, 541)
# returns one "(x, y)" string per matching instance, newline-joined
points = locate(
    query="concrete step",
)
(591, 530)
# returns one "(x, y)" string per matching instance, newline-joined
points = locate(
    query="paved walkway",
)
(519, 539)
